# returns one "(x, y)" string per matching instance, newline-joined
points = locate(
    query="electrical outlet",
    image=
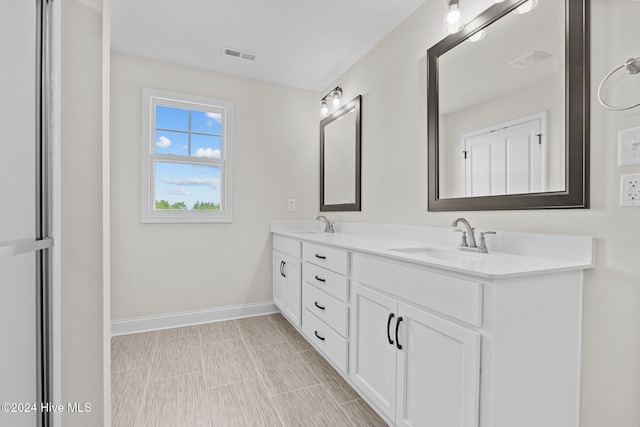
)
(629, 147)
(630, 190)
(291, 205)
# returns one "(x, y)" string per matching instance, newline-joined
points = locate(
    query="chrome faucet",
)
(328, 225)
(471, 245)
(470, 233)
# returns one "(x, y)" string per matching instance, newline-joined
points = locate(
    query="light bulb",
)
(453, 17)
(453, 28)
(324, 110)
(477, 36)
(336, 101)
(526, 7)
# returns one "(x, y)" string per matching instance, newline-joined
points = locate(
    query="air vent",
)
(239, 53)
(530, 59)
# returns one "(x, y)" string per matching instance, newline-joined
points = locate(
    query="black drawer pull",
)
(320, 279)
(318, 336)
(321, 256)
(319, 306)
(389, 324)
(398, 326)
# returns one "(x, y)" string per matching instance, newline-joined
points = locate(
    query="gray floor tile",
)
(176, 356)
(176, 402)
(276, 317)
(310, 407)
(226, 362)
(178, 332)
(281, 368)
(297, 341)
(218, 331)
(362, 415)
(258, 331)
(127, 391)
(132, 351)
(337, 387)
(244, 404)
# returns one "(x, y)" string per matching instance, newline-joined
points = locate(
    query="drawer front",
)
(332, 283)
(326, 308)
(332, 345)
(287, 246)
(331, 258)
(458, 298)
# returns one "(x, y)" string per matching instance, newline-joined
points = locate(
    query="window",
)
(186, 158)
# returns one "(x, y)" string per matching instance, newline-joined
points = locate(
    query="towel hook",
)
(632, 66)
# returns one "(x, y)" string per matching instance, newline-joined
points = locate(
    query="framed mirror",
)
(340, 141)
(508, 109)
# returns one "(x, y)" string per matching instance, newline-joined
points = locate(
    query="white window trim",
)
(153, 97)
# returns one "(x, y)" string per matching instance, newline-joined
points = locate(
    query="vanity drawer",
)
(326, 308)
(331, 258)
(332, 283)
(334, 347)
(287, 246)
(458, 298)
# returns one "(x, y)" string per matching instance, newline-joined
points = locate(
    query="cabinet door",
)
(279, 283)
(438, 371)
(294, 293)
(373, 357)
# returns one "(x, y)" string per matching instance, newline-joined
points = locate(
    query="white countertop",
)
(515, 254)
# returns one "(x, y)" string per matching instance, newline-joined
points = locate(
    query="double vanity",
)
(433, 336)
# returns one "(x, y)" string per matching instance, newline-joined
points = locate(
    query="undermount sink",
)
(442, 254)
(308, 232)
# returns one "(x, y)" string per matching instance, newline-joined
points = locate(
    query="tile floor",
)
(257, 371)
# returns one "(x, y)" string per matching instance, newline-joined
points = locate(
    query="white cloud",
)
(215, 116)
(164, 142)
(208, 152)
(212, 182)
(177, 191)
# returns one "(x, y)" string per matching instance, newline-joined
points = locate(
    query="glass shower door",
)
(24, 217)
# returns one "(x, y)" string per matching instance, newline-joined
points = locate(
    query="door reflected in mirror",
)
(340, 159)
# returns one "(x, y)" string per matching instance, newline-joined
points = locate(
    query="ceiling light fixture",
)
(336, 96)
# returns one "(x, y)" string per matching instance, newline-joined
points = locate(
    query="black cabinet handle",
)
(319, 306)
(321, 256)
(398, 326)
(389, 324)
(320, 279)
(318, 336)
(284, 269)
(281, 268)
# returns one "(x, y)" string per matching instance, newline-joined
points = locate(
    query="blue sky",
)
(182, 132)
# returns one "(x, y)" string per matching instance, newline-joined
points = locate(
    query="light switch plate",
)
(629, 147)
(630, 190)
(291, 205)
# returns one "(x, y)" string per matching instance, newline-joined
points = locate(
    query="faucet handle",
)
(463, 242)
(482, 247)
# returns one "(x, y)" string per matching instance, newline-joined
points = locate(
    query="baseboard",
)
(189, 318)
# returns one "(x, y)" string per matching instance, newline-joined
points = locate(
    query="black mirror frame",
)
(355, 104)
(576, 193)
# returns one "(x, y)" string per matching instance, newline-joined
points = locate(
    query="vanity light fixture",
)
(477, 36)
(336, 96)
(453, 17)
(526, 7)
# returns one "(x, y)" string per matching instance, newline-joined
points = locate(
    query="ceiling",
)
(300, 43)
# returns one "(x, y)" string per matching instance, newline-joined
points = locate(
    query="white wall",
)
(80, 237)
(392, 79)
(159, 269)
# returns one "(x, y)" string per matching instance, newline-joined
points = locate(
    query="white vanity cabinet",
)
(418, 368)
(433, 337)
(325, 298)
(287, 293)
